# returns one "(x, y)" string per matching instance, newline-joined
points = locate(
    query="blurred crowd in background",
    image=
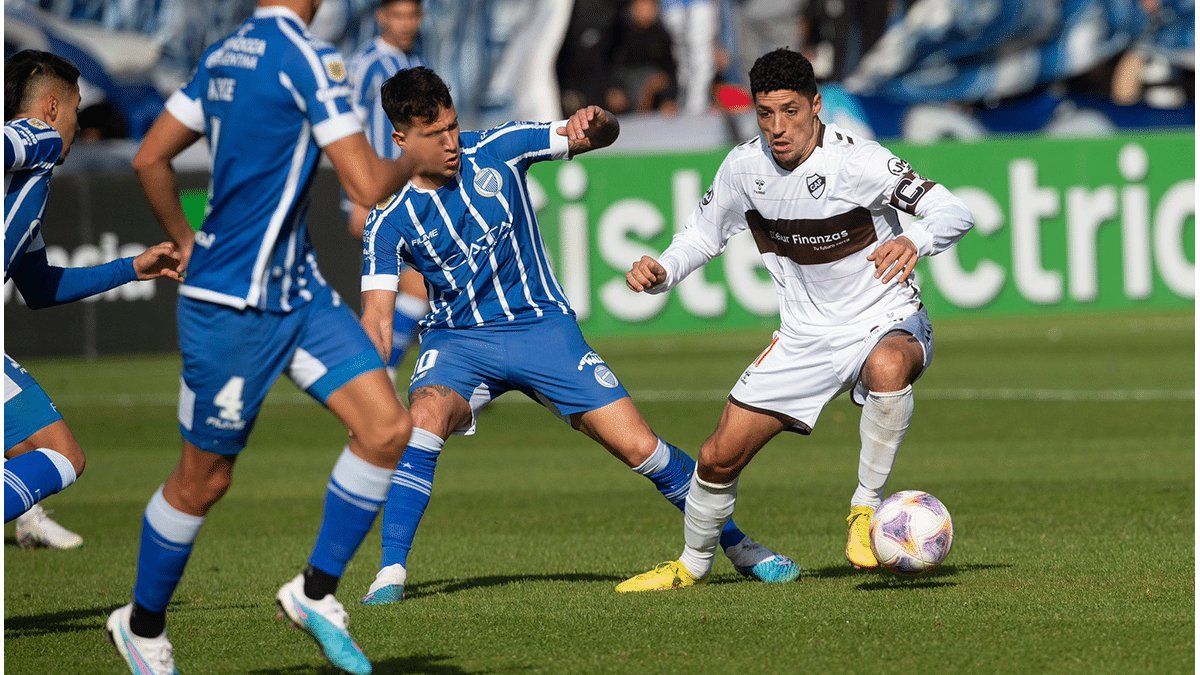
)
(915, 69)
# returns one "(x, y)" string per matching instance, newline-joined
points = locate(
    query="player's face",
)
(65, 114)
(434, 146)
(399, 23)
(788, 121)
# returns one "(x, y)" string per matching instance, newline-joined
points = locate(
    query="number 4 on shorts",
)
(229, 399)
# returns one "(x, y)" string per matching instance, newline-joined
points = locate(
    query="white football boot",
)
(35, 529)
(755, 561)
(388, 586)
(326, 621)
(144, 656)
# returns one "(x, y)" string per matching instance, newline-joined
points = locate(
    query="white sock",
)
(885, 418)
(361, 478)
(66, 470)
(169, 522)
(657, 461)
(709, 506)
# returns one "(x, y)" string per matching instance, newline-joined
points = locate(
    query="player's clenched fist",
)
(645, 274)
(160, 260)
(898, 256)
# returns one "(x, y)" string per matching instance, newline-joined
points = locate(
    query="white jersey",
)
(816, 225)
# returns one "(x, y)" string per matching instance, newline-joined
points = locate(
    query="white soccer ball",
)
(911, 532)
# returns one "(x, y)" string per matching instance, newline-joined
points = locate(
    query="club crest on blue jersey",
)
(334, 67)
(488, 182)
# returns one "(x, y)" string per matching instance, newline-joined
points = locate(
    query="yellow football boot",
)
(858, 544)
(664, 577)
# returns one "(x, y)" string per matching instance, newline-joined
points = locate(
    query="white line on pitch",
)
(707, 395)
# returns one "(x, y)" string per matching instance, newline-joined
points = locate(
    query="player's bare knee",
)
(438, 410)
(887, 369)
(74, 454)
(718, 464)
(198, 493)
(641, 448)
(386, 438)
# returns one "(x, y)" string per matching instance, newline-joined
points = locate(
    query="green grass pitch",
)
(1062, 446)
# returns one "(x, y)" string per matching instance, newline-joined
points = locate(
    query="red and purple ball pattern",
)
(911, 532)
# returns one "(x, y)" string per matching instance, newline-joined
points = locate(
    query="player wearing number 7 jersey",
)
(499, 321)
(822, 207)
(270, 99)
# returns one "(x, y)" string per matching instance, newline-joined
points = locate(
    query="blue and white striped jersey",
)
(269, 97)
(31, 150)
(370, 67)
(476, 239)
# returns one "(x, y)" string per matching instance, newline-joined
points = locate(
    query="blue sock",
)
(167, 536)
(33, 476)
(354, 495)
(409, 312)
(670, 469)
(409, 495)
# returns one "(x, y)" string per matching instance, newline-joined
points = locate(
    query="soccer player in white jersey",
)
(271, 100)
(500, 321)
(393, 50)
(42, 457)
(822, 207)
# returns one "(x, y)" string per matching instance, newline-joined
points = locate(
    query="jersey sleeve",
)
(888, 181)
(30, 144)
(44, 285)
(720, 214)
(384, 249)
(317, 78)
(186, 104)
(523, 143)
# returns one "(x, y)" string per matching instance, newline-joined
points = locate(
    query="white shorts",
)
(796, 376)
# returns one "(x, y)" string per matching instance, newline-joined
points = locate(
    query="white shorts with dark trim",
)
(796, 376)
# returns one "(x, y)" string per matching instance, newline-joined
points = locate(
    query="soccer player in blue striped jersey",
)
(270, 98)
(42, 457)
(392, 51)
(499, 319)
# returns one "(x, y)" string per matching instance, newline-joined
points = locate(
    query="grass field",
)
(1063, 448)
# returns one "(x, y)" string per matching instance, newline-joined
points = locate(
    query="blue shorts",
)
(547, 359)
(232, 357)
(27, 408)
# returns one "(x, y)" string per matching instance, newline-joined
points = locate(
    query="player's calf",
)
(47, 462)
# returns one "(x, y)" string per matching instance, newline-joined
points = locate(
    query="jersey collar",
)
(278, 11)
(389, 48)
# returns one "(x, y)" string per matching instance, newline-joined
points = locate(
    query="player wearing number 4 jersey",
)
(270, 99)
(499, 320)
(822, 207)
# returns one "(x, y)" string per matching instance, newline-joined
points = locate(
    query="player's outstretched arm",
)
(378, 308)
(590, 128)
(645, 274)
(357, 223)
(367, 178)
(44, 285)
(166, 139)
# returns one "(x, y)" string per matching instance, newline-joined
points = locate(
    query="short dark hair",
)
(414, 94)
(783, 70)
(384, 3)
(25, 69)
